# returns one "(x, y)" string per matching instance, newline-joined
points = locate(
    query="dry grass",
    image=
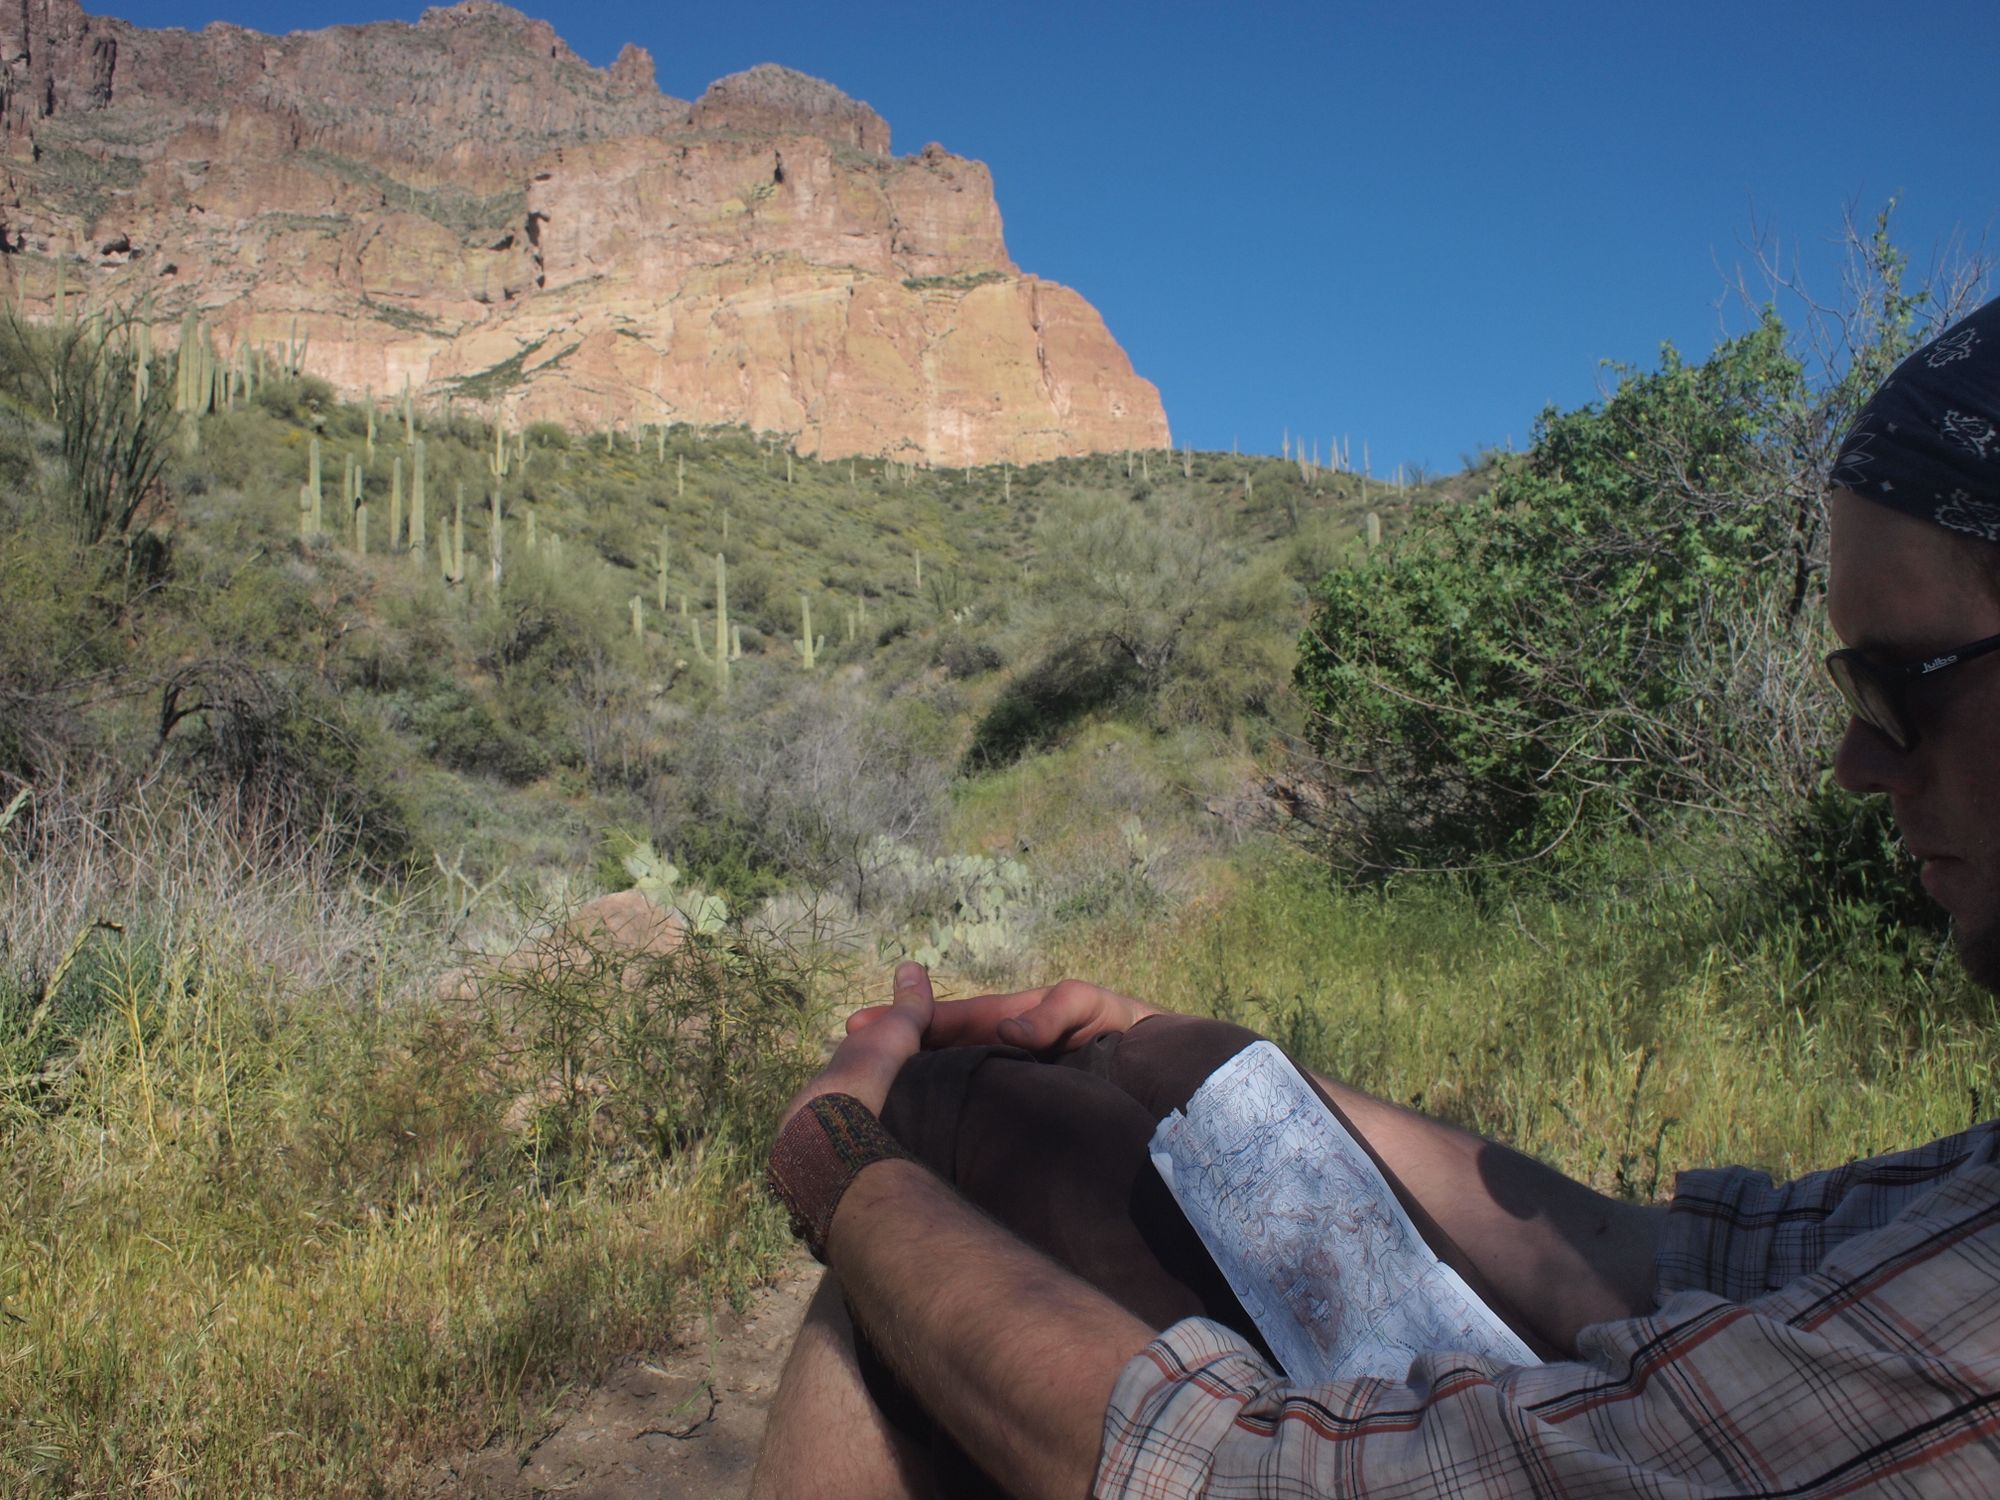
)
(262, 1227)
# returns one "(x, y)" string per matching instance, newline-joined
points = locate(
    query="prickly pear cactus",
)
(702, 912)
(978, 905)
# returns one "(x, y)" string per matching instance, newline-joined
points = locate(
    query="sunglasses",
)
(1878, 695)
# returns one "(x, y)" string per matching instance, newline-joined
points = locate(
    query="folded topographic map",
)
(1309, 1233)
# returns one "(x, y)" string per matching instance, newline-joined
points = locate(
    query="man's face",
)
(1903, 589)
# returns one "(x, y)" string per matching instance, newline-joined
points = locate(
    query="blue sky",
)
(1412, 224)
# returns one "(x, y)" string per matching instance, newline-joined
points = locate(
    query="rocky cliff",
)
(467, 205)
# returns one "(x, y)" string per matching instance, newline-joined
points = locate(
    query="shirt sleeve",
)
(1883, 1361)
(1732, 1232)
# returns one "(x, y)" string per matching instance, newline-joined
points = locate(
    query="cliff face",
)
(466, 204)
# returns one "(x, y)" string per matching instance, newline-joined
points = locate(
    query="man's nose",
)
(1868, 761)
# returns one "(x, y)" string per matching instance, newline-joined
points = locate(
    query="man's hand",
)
(1053, 1019)
(866, 1064)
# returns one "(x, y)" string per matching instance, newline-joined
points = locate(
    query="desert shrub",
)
(1040, 704)
(799, 783)
(610, 1052)
(960, 653)
(454, 727)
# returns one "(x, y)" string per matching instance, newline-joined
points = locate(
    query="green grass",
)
(1621, 1039)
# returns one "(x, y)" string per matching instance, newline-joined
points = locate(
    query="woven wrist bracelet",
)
(818, 1155)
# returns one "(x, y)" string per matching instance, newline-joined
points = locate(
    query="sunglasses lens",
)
(1869, 698)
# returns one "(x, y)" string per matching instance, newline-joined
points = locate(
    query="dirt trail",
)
(684, 1425)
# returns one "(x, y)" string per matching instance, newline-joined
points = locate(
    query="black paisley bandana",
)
(1928, 442)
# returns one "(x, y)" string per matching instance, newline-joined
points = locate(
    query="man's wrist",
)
(816, 1158)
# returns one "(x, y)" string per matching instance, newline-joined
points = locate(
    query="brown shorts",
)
(1057, 1153)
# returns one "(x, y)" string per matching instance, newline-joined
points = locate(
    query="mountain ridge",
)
(465, 204)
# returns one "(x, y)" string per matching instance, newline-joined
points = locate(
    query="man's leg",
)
(826, 1437)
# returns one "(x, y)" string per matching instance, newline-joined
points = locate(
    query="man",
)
(1835, 1336)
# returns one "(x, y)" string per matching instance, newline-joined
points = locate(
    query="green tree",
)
(1517, 670)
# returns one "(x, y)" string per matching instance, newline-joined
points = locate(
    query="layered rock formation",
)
(467, 205)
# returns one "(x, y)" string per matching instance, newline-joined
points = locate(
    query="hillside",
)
(466, 207)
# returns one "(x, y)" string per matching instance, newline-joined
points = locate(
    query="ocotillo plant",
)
(809, 648)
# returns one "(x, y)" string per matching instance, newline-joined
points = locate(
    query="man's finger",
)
(976, 1021)
(913, 983)
(959, 1023)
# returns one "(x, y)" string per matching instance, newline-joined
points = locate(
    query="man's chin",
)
(1978, 947)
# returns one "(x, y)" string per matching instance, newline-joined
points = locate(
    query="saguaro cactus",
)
(722, 637)
(417, 518)
(809, 647)
(638, 620)
(396, 502)
(499, 536)
(1373, 525)
(664, 549)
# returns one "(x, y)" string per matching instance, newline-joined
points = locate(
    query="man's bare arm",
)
(1561, 1254)
(1013, 1354)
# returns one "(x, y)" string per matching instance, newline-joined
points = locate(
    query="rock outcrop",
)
(466, 205)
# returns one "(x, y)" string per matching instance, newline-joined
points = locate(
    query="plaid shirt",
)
(1836, 1336)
